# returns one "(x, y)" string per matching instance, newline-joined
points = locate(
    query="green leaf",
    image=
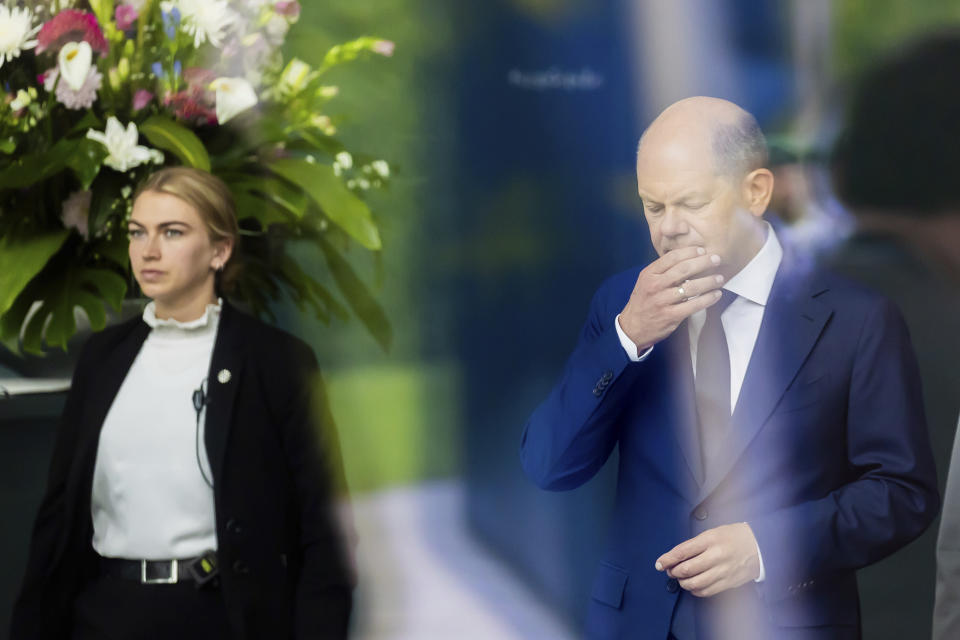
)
(164, 133)
(87, 122)
(115, 247)
(85, 159)
(103, 9)
(106, 200)
(94, 309)
(21, 260)
(111, 286)
(30, 168)
(306, 290)
(344, 209)
(82, 155)
(279, 192)
(8, 145)
(254, 206)
(53, 322)
(366, 308)
(12, 320)
(324, 297)
(347, 51)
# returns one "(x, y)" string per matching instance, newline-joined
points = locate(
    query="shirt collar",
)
(210, 315)
(755, 280)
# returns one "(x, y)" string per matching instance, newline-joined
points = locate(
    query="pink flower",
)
(141, 99)
(83, 98)
(76, 211)
(49, 78)
(288, 8)
(71, 25)
(384, 47)
(125, 15)
(198, 77)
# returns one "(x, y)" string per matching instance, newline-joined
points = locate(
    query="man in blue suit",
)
(768, 415)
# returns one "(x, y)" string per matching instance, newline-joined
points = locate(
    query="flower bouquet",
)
(96, 95)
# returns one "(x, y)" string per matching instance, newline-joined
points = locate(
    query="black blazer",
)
(283, 563)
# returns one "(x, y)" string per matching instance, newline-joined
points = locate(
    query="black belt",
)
(156, 571)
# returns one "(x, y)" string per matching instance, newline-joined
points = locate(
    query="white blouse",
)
(149, 499)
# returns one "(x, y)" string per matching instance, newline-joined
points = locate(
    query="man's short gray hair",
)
(739, 146)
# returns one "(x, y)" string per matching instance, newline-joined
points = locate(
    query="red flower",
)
(71, 25)
(192, 105)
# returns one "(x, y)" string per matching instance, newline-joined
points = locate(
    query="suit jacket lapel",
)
(223, 381)
(792, 323)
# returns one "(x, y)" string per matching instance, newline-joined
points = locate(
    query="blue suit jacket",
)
(828, 459)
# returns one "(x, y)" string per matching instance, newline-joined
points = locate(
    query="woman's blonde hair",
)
(212, 199)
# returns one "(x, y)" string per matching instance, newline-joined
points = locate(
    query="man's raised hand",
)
(668, 291)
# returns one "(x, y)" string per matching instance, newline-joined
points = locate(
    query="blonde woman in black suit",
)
(190, 493)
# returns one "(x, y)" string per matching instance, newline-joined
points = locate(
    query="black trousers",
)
(116, 609)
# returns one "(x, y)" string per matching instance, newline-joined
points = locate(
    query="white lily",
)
(16, 32)
(234, 95)
(74, 61)
(121, 143)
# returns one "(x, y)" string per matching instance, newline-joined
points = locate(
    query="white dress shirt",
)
(741, 320)
(149, 499)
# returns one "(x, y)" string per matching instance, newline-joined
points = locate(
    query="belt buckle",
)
(172, 579)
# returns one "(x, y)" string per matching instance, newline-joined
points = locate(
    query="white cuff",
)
(629, 345)
(763, 573)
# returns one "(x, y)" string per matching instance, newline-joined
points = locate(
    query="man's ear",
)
(756, 190)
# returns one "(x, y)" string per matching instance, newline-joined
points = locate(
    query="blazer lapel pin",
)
(224, 376)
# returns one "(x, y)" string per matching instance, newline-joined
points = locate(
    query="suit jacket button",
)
(240, 567)
(234, 527)
(701, 513)
(607, 376)
(597, 391)
(672, 585)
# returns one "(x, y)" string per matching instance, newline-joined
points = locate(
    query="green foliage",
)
(864, 29)
(341, 206)
(43, 315)
(164, 133)
(359, 297)
(21, 261)
(84, 157)
(348, 51)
